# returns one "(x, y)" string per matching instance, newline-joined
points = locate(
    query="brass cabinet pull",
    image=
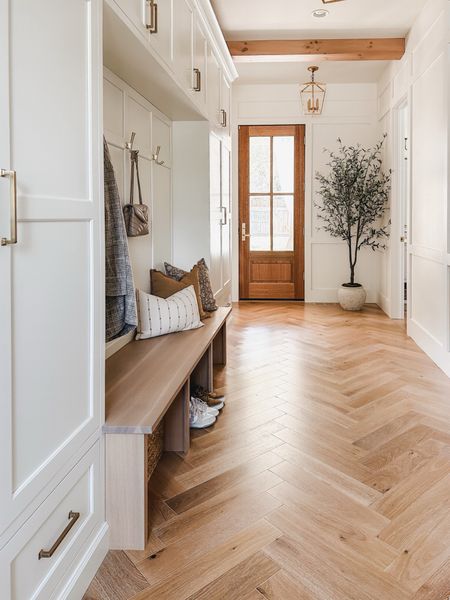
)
(13, 216)
(73, 517)
(223, 117)
(153, 8)
(198, 80)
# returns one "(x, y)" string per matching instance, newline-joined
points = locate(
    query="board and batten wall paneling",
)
(126, 111)
(422, 79)
(350, 112)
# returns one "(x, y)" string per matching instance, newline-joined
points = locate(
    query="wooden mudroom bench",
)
(147, 382)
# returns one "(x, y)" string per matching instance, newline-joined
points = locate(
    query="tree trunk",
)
(350, 260)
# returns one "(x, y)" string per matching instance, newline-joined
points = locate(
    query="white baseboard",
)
(430, 346)
(87, 566)
(385, 304)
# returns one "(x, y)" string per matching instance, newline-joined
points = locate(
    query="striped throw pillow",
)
(158, 316)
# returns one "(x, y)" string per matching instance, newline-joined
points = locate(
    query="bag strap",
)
(135, 165)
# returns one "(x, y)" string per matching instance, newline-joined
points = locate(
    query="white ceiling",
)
(277, 19)
(292, 19)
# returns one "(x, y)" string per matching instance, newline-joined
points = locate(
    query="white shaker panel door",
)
(215, 214)
(51, 315)
(183, 22)
(226, 218)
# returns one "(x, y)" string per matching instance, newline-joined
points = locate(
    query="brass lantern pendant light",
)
(312, 94)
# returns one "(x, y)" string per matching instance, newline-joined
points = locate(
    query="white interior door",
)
(51, 315)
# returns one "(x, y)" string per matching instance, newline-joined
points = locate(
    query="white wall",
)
(350, 113)
(125, 111)
(422, 79)
(191, 188)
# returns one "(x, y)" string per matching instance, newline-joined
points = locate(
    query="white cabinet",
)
(215, 266)
(220, 218)
(213, 90)
(225, 224)
(52, 292)
(137, 11)
(200, 70)
(152, 21)
(183, 23)
(225, 101)
(33, 564)
(158, 22)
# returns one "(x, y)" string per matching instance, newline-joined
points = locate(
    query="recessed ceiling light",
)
(320, 13)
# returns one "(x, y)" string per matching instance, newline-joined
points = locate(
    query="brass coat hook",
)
(155, 156)
(129, 145)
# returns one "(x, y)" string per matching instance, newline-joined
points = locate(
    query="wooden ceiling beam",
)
(335, 49)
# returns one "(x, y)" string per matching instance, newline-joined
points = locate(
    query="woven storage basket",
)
(155, 443)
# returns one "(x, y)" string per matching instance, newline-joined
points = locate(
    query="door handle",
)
(224, 221)
(244, 234)
(13, 200)
(152, 7)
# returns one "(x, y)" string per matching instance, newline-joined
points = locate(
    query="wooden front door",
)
(271, 207)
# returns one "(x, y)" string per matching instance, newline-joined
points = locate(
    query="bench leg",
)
(203, 373)
(126, 491)
(220, 346)
(176, 423)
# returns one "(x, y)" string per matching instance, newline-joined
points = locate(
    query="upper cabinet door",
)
(138, 12)
(200, 83)
(158, 22)
(214, 83)
(183, 23)
(225, 102)
(52, 290)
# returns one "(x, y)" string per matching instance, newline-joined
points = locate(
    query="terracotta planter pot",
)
(352, 297)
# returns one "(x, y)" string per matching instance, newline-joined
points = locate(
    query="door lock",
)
(244, 234)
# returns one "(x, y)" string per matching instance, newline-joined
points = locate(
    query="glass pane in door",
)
(259, 165)
(283, 223)
(283, 164)
(259, 223)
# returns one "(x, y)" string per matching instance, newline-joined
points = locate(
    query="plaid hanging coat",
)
(121, 316)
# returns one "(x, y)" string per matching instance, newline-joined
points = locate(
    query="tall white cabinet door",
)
(215, 214)
(183, 23)
(225, 101)
(52, 292)
(226, 218)
(214, 82)
(200, 47)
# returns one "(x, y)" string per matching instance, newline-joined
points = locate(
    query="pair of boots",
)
(204, 407)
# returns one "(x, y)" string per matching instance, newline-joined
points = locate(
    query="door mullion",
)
(271, 193)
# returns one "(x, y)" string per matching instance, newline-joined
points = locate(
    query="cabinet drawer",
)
(61, 527)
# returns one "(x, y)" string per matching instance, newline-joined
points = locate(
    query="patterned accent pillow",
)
(158, 316)
(206, 292)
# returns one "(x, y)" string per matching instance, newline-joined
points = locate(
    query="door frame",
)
(299, 206)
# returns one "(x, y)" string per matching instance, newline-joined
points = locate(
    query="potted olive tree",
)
(354, 198)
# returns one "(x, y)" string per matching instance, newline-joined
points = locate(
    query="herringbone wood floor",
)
(327, 476)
